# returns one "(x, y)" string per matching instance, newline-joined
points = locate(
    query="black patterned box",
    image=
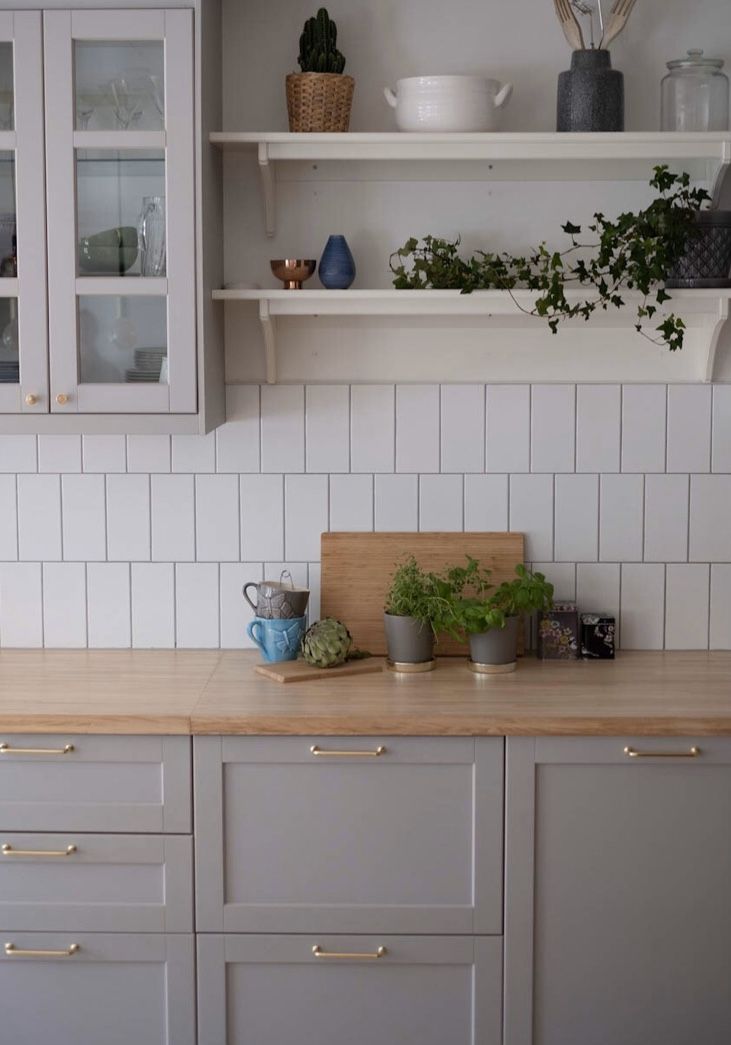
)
(597, 636)
(558, 633)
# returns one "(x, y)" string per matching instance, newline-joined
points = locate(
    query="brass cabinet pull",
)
(692, 752)
(319, 753)
(11, 951)
(7, 850)
(6, 749)
(352, 956)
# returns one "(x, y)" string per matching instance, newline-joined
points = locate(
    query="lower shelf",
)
(704, 312)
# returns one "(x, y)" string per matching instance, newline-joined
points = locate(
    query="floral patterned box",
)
(597, 636)
(558, 633)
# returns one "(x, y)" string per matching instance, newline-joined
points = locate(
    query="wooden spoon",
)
(620, 12)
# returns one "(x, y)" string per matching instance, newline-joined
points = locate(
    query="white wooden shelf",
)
(704, 310)
(536, 156)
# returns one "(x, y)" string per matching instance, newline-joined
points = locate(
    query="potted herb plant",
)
(420, 605)
(491, 623)
(319, 98)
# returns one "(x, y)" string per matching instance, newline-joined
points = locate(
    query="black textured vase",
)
(590, 94)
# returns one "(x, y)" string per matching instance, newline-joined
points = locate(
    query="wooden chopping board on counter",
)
(357, 568)
(299, 671)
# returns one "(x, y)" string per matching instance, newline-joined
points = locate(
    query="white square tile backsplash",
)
(627, 508)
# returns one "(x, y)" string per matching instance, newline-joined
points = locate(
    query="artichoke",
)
(326, 643)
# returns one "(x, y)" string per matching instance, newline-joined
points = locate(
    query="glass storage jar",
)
(695, 95)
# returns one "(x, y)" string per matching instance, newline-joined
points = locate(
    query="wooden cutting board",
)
(298, 671)
(357, 569)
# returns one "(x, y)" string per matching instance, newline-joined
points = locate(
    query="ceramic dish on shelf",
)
(293, 271)
(109, 253)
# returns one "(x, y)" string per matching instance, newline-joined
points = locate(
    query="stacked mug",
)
(279, 624)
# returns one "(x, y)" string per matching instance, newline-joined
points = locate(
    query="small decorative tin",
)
(558, 633)
(597, 636)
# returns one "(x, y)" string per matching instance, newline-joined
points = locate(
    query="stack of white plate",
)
(147, 365)
(9, 371)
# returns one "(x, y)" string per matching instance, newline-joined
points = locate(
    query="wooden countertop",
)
(200, 692)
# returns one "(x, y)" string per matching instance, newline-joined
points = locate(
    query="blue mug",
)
(278, 639)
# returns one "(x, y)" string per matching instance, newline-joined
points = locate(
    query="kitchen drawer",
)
(640, 750)
(114, 990)
(339, 840)
(272, 990)
(92, 783)
(105, 883)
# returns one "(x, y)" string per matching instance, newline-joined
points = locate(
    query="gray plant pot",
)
(409, 641)
(707, 258)
(590, 94)
(496, 646)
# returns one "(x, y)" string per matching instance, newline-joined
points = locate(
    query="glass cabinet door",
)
(121, 244)
(23, 318)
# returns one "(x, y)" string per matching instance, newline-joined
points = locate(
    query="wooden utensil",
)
(618, 15)
(570, 24)
(299, 671)
(356, 571)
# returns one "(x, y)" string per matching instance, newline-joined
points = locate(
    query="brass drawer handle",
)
(11, 951)
(6, 749)
(693, 752)
(353, 956)
(7, 850)
(319, 753)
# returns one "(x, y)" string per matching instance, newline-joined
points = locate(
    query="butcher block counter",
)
(202, 692)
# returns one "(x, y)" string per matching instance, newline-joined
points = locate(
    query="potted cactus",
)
(319, 98)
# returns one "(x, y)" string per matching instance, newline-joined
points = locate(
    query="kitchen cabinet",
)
(101, 325)
(618, 891)
(275, 990)
(375, 834)
(94, 988)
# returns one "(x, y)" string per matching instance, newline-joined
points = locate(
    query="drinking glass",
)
(151, 236)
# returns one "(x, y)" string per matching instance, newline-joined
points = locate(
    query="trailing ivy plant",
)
(635, 252)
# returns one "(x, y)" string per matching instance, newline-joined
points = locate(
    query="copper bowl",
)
(293, 271)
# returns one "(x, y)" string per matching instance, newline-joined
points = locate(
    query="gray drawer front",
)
(108, 883)
(409, 841)
(117, 989)
(646, 750)
(272, 990)
(104, 784)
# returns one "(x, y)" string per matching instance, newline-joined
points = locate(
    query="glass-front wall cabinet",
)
(116, 125)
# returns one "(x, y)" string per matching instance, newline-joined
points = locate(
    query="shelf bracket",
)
(266, 172)
(269, 330)
(715, 337)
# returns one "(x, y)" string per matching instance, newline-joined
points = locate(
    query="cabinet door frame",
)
(23, 30)
(173, 28)
(485, 756)
(523, 755)
(216, 952)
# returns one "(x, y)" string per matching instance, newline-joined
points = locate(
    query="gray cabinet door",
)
(618, 891)
(96, 883)
(95, 783)
(114, 990)
(273, 990)
(291, 839)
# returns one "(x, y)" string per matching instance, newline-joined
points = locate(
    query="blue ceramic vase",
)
(337, 267)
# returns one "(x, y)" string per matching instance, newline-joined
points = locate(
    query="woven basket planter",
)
(707, 258)
(319, 101)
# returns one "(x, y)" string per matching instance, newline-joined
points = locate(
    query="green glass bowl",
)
(109, 253)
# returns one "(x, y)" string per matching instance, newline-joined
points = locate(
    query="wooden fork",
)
(569, 24)
(620, 12)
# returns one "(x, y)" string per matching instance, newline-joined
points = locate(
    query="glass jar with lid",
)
(695, 95)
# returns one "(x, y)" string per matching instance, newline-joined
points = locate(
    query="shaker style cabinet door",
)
(618, 891)
(349, 834)
(97, 989)
(422, 990)
(121, 211)
(23, 316)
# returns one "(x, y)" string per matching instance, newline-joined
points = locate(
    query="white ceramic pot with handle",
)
(448, 103)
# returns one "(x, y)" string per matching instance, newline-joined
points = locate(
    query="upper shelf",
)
(535, 156)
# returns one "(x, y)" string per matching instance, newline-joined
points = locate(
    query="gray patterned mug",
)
(277, 600)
